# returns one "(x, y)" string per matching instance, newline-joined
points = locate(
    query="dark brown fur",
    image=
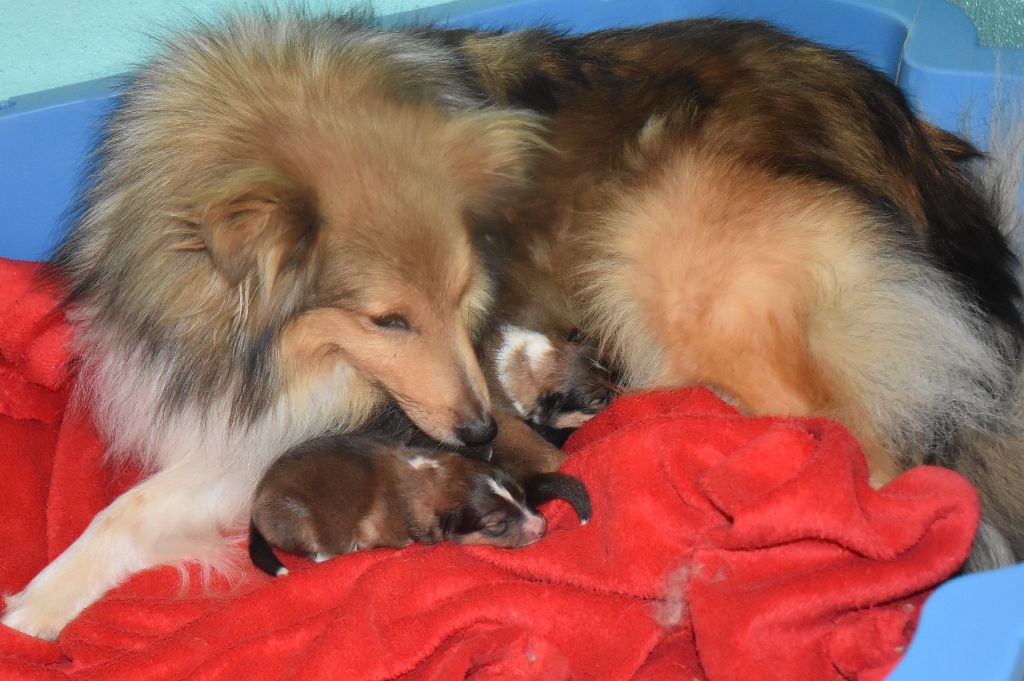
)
(343, 493)
(734, 206)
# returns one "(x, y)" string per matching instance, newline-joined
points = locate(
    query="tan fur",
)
(718, 203)
(271, 189)
(732, 206)
(721, 249)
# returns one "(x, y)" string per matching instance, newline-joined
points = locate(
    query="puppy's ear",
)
(447, 522)
(256, 222)
(454, 521)
(493, 152)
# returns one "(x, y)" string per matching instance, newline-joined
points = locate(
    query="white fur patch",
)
(420, 462)
(501, 491)
(296, 507)
(535, 346)
(205, 470)
(321, 557)
(171, 516)
(281, 571)
(670, 608)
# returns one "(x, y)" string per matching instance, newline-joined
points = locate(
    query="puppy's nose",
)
(478, 432)
(534, 528)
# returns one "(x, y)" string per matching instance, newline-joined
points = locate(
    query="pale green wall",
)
(1000, 22)
(47, 43)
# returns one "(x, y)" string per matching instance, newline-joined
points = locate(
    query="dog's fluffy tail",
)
(995, 463)
(996, 467)
(262, 553)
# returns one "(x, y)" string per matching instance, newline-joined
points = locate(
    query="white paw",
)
(29, 618)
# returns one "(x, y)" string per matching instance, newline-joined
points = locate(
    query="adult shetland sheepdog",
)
(736, 207)
(293, 219)
(283, 230)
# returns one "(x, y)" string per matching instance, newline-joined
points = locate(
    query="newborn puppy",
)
(343, 493)
(553, 383)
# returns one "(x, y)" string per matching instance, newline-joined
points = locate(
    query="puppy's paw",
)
(34, 618)
(552, 382)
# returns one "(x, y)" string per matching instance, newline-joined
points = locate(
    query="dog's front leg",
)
(172, 516)
(520, 450)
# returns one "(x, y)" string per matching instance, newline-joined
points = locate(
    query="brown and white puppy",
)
(339, 494)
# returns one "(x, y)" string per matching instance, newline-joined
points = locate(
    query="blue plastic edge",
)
(971, 628)
(943, 70)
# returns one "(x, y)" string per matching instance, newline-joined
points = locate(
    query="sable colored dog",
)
(286, 226)
(736, 207)
(293, 219)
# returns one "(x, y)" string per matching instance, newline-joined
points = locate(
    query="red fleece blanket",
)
(721, 547)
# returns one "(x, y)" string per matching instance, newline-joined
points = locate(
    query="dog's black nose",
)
(478, 433)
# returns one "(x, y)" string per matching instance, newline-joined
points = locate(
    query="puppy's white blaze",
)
(502, 492)
(421, 462)
(536, 347)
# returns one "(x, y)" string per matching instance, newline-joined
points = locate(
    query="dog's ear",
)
(492, 152)
(256, 222)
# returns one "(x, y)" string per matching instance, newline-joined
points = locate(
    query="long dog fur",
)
(283, 205)
(741, 208)
(282, 202)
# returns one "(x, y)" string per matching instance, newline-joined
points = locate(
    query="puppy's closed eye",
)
(495, 528)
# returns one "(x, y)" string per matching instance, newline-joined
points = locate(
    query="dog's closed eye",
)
(395, 322)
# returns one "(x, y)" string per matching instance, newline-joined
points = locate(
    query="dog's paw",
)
(552, 382)
(34, 618)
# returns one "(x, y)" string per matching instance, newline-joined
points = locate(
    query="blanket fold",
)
(721, 547)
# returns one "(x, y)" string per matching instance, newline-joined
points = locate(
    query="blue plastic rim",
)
(972, 628)
(928, 46)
